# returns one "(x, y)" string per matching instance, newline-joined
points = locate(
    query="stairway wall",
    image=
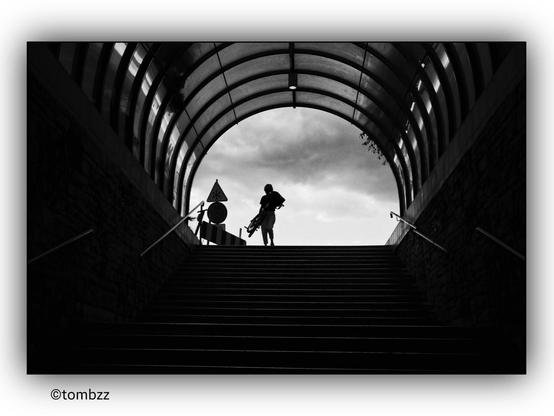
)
(479, 283)
(80, 176)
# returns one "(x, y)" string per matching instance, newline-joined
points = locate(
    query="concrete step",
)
(298, 297)
(320, 279)
(238, 318)
(435, 331)
(284, 274)
(223, 267)
(285, 303)
(295, 249)
(288, 286)
(295, 291)
(222, 360)
(302, 343)
(264, 310)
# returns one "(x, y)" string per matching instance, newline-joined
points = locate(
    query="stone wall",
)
(75, 184)
(478, 282)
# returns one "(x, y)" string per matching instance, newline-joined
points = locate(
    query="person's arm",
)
(262, 207)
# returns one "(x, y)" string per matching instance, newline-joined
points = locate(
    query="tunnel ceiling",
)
(169, 102)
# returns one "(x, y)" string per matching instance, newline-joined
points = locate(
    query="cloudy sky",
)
(337, 192)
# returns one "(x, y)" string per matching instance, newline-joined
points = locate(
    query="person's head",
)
(268, 188)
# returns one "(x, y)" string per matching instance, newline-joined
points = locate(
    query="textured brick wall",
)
(478, 282)
(72, 186)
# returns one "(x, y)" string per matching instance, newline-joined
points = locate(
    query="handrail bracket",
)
(414, 229)
(172, 228)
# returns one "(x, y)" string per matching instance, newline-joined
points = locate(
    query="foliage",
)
(372, 146)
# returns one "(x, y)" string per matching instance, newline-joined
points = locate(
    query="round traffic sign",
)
(217, 212)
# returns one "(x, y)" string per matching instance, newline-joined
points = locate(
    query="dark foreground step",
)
(264, 310)
(286, 292)
(285, 320)
(285, 303)
(264, 329)
(282, 361)
(251, 298)
(301, 343)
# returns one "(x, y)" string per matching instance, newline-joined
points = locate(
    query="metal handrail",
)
(61, 245)
(414, 228)
(507, 247)
(172, 228)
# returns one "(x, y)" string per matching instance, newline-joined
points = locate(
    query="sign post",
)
(217, 213)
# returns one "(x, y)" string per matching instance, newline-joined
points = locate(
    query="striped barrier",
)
(218, 236)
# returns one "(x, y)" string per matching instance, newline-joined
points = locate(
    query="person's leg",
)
(264, 230)
(270, 224)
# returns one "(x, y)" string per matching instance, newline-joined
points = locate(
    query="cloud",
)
(316, 160)
(303, 146)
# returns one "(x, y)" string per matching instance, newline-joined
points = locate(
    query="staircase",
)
(287, 310)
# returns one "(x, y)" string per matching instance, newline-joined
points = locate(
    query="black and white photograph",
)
(423, 139)
(269, 220)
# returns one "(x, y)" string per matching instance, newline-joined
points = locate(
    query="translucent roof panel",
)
(372, 127)
(239, 51)
(190, 138)
(451, 83)
(189, 57)
(183, 122)
(130, 76)
(465, 72)
(183, 180)
(267, 64)
(178, 158)
(168, 53)
(207, 69)
(345, 51)
(382, 95)
(365, 124)
(413, 50)
(213, 133)
(323, 101)
(328, 85)
(214, 87)
(389, 55)
(437, 94)
(152, 114)
(109, 82)
(258, 86)
(385, 116)
(223, 104)
(66, 55)
(324, 65)
(91, 66)
(280, 99)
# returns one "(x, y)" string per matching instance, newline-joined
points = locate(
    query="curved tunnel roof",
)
(170, 102)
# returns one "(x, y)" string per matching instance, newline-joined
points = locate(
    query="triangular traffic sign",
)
(216, 194)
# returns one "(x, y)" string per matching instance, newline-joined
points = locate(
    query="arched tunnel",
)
(117, 131)
(170, 102)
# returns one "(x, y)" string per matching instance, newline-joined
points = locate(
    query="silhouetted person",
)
(269, 202)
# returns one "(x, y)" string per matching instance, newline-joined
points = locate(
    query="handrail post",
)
(172, 228)
(414, 228)
(399, 218)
